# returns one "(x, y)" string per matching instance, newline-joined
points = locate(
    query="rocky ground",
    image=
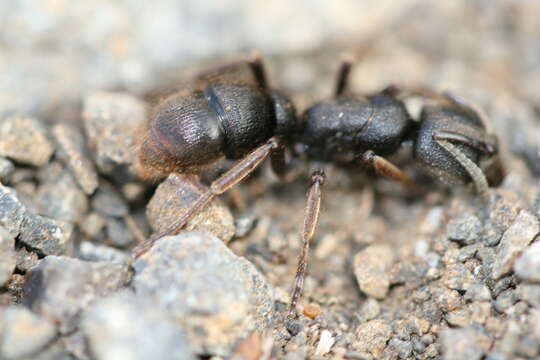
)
(392, 275)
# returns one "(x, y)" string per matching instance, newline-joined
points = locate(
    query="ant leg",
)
(343, 74)
(218, 186)
(311, 218)
(257, 67)
(476, 174)
(386, 169)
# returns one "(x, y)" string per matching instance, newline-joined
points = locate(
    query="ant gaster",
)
(191, 130)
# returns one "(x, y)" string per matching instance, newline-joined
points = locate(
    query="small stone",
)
(370, 309)
(62, 199)
(108, 201)
(372, 337)
(12, 211)
(370, 268)
(527, 267)
(71, 150)
(216, 296)
(478, 292)
(469, 343)
(326, 341)
(418, 346)
(118, 233)
(60, 287)
(175, 195)
(446, 299)
(312, 310)
(93, 224)
(505, 300)
(90, 251)
(457, 277)
(48, 236)
(465, 229)
(26, 259)
(244, 224)
(23, 333)
(460, 317)
(24, 139)
(528, 347)
(491, 235)
(524, 229)
(125, 326)
(480, 311)
(402, 348)
(504, 209)
(7, 256)
(111, 122)
(467, 253)
(6, 169)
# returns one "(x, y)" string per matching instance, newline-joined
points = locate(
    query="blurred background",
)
(52, 51)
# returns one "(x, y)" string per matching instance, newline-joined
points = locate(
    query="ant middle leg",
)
(311, 218)
(230, 178)
(384, 168)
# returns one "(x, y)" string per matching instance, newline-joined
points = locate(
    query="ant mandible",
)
(193, 129)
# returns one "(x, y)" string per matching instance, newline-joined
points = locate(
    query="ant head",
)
(286, 119)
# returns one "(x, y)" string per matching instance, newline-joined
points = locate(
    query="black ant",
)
(191, 130)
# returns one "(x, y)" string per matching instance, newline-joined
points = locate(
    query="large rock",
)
(527, 266)
(218, 297)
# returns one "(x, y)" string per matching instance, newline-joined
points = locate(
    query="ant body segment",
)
(191, 130)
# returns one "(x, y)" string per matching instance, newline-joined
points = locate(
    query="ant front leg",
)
(382, 167)
(311, 219)
(218, 187)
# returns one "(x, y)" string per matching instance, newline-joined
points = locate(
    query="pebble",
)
(371, 266)
(108, 201)
(118, 233)
(480, 311)
(6, 169)
(174, 196)
(505, 300)
(370, 310)
(23, 333)
(217, 297)
(111, 121)
(372, 337)
(457, 277)
(59, 288)
(71, 150)
(527, 267)
(312, 310)
(12, 211)
(47, 236)
(514, 241)
(464, 229)
(26, 259)
(90, 251)
(126, 326)
(62, 199)
(25, 140)
(7, 256)
(469, 343)
(460, 317)
(529, 293)
(402, 348)
(326, 341)
(477, 292)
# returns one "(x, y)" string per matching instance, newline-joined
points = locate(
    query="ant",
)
(192, 129)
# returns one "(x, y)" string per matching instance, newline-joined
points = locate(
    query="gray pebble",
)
(514, 242)
(505, 300)
(402, 348)
(372, 337)
(118, 234)
(457, 277)
(22, 332)
(529, 293)
(7, 256)
(62, 199)
(469, 343)
(465, 229)
(12, 211)
(174, 196)
(61, 287)
(6, 169)
(48, 236)
(24, 139)
(111, 121)
(108, 201)
(90, 251)
(418, 346)
(478, 292)
(527, 267)
(370, 310)
(71, 149)
(26, 259)
(218, 297)
(371, 266)
(528, 346)
(125, 326)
